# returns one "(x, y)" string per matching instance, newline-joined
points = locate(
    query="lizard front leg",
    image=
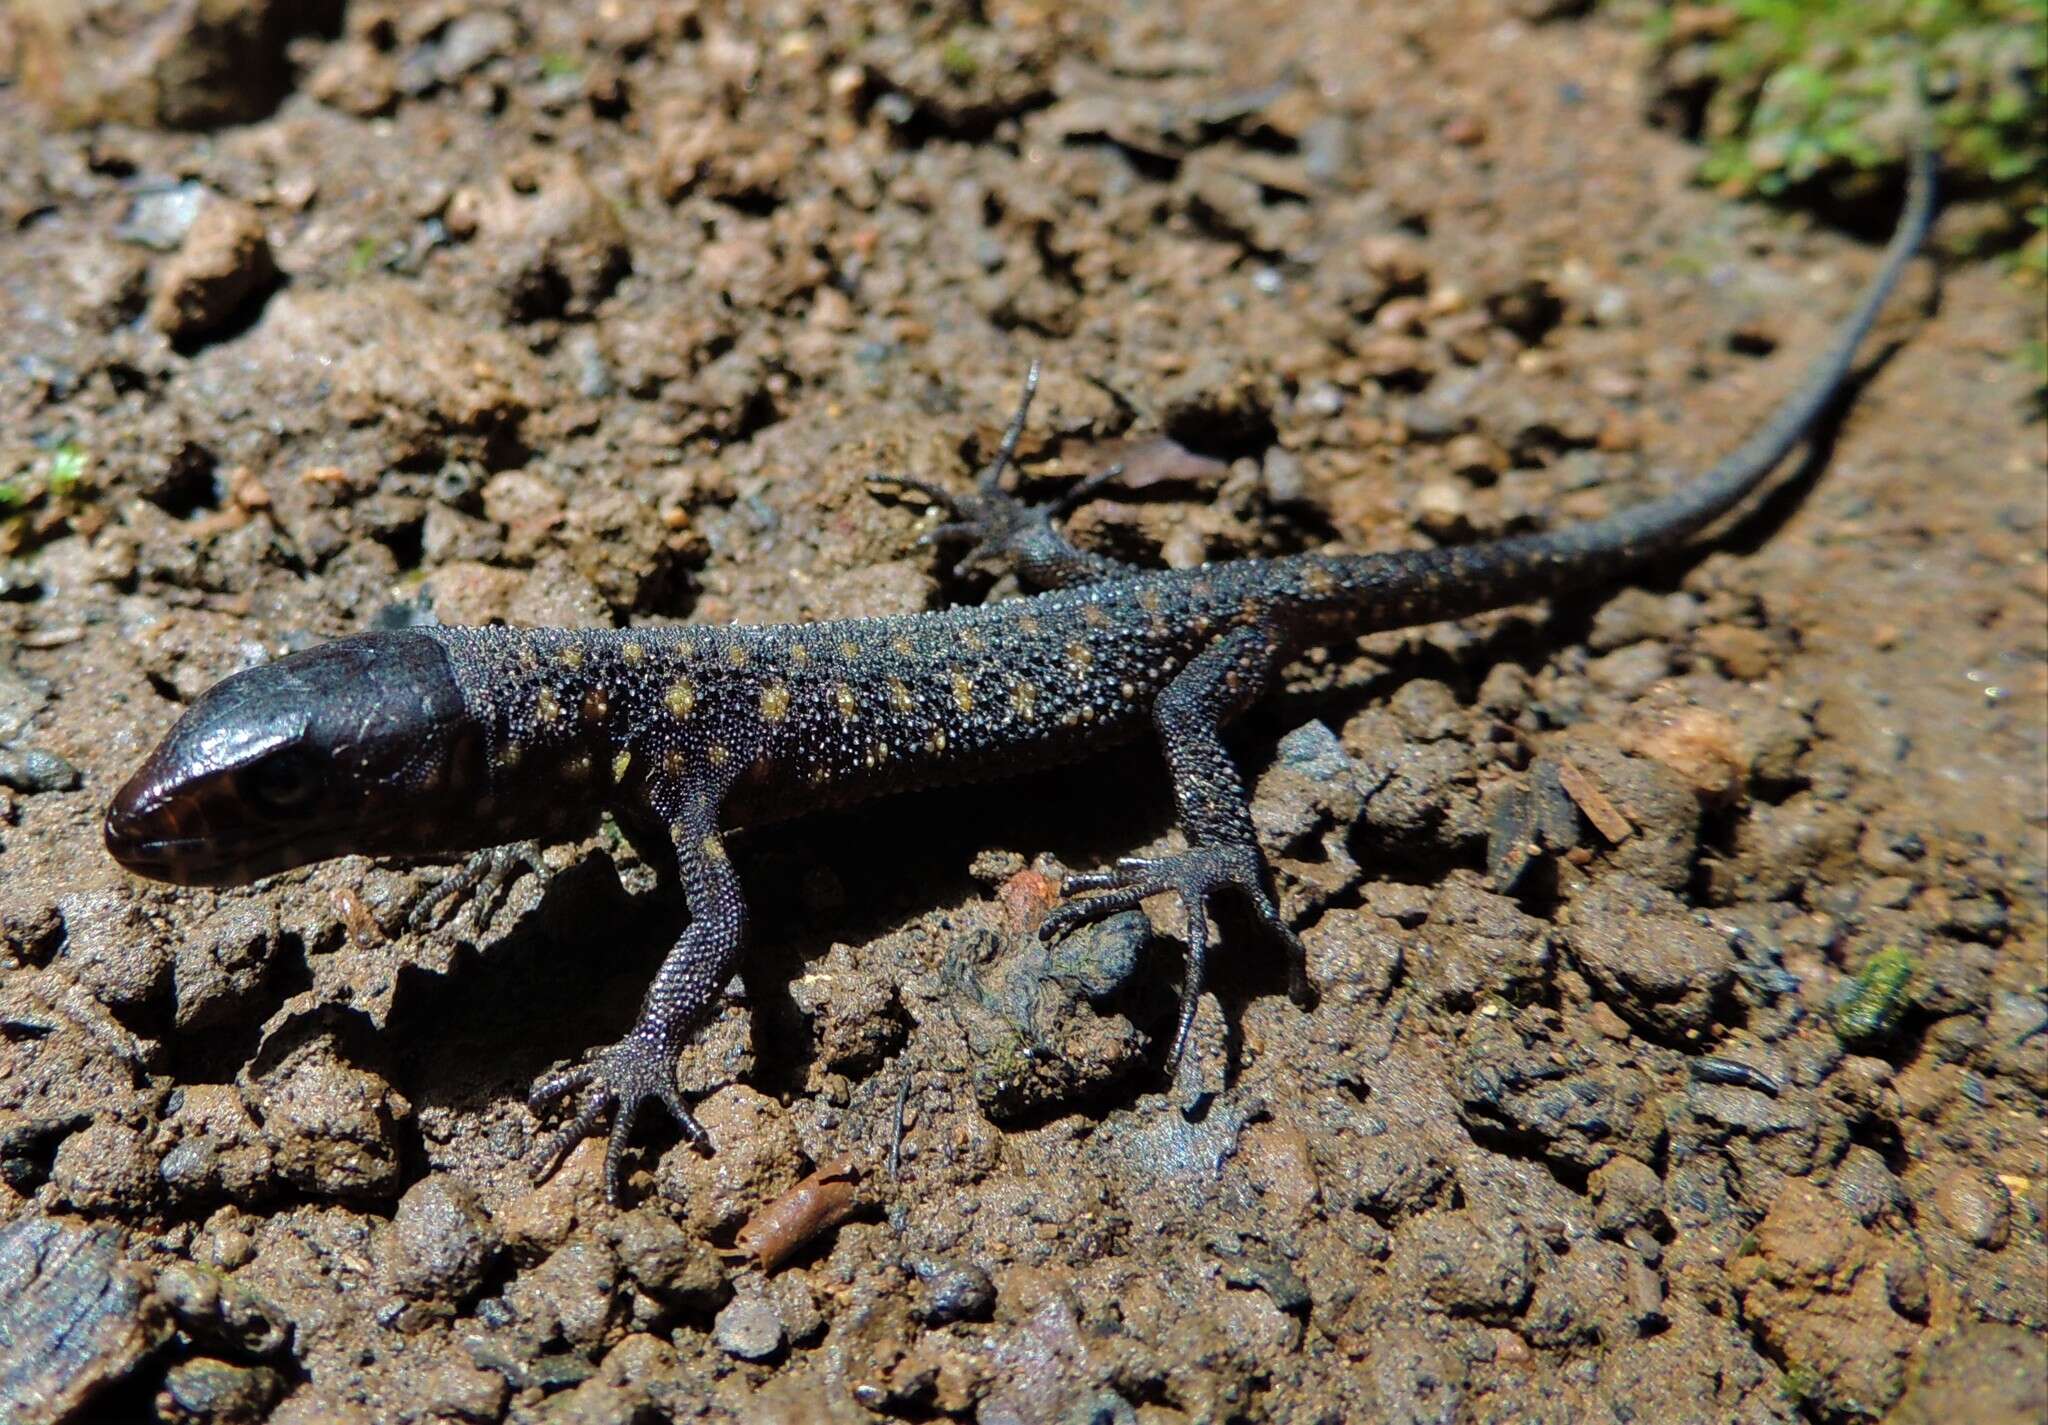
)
(1005, 534)
(1213, 812)
(642, 1066)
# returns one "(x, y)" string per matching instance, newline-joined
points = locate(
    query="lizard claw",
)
(619, 1080)
(1194, 876)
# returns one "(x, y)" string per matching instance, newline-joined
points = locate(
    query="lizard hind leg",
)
(1223, 854)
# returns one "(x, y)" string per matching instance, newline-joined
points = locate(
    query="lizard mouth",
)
(191, 860)
(174, 840)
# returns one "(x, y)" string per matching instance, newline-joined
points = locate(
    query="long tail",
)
(1394, 590)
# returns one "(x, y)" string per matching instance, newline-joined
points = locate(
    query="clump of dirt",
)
(1680, 1046)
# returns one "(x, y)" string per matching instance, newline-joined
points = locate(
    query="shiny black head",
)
(356, 746)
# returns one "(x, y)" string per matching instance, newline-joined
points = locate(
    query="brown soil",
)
(504, 312)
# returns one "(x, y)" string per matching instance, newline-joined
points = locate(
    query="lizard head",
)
(350, 747)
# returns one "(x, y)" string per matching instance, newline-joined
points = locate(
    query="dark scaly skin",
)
(447, 740)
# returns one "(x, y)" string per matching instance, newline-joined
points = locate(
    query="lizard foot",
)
(1194, 876)
(619, 1080)
(481, 882)
(1001, 530)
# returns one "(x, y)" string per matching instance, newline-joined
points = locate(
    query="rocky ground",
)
(1682, 1047)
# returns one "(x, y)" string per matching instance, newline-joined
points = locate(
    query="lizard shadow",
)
(570, 974)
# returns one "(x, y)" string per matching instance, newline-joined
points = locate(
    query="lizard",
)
(437, 741)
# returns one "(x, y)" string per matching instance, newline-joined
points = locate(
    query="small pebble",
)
(1978, 1207)
(1475, 457)
(1281, 474)
(748, 1328)
(30, 770)
(1612, 307)
(160, 217)
(1701, 746)
(1443, 509)
(952, 1291)
(210, 1390)
(222, 266)
(1891, 892)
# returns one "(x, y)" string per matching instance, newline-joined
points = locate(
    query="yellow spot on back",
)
(597, 705)
(963, 691)
(843, 696)
(1028, 623)
(899, 695)
(799, 656)
(546, 707)
(902, 646)
(1080, 657)
(1148, 600)
(713, 848)
(681, 697)
(510, 753)
(849, 650)
(571, 656)
(1095, 615)
(775, 701)
(971, 641)
(620, 764)
(634, 653)
(736, 654)
(674, 762)
(719, 754)
(1024, 700)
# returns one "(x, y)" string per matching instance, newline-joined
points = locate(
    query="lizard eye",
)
(284, 783)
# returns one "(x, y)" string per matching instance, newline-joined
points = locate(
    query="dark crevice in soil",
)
(1527, 1148)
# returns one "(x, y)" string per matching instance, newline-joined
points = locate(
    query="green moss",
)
(1802, 98)
(66, 470)
(1869, 1009)
(959, 61)
(1799, 1384)
(36, 502)
(1805, 95)
(362, 257)
(557, 65)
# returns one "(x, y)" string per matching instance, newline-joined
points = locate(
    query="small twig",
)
(896, 1140)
